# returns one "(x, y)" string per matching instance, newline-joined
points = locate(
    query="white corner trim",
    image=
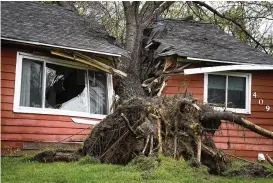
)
(227, 68)
(64, 47)
(248, 77)
(85, 121)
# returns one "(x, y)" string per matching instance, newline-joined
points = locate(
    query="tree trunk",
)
(131, 85)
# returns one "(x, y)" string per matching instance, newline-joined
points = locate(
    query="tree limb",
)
(238, 120)
(159, 8)
(269, 159)
(126, 4)
(231, 20)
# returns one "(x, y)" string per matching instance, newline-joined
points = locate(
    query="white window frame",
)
(32, 110)
(248, 77)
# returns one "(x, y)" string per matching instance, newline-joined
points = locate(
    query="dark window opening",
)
(66, 88)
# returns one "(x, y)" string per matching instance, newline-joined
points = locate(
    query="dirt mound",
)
(168, 125)
(57, 155)
(253, 171)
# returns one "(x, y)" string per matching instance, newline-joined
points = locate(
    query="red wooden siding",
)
(178, 84)
(20, 128)
(233, 138)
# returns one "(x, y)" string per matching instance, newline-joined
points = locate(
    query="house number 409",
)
(261, 102)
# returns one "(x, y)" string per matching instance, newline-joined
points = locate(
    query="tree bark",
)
(131, 86)
(136, 21)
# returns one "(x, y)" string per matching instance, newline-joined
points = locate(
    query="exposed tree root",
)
(169, 125)
(174, 126)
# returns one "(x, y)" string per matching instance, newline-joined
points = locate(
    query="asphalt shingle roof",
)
(206, 41)
(54, 25)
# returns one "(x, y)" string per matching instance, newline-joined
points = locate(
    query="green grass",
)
(20, 170)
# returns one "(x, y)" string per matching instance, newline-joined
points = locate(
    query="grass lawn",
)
(19, 170)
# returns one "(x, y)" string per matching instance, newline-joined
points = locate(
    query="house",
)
(56, 75)
(213, 66)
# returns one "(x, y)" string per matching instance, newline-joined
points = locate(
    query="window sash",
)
(43, 110)
(247, 76)
(227, 88)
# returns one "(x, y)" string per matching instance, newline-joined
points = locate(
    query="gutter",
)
(227, 68)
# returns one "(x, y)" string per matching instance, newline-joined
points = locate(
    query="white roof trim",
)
(227, 68)
(64, 47)
(220, 61)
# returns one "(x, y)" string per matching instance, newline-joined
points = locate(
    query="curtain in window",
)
(25, 84)
(31, 84)
(97, 89)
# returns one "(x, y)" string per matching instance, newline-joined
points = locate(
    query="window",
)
(60, 87)
(229, 91)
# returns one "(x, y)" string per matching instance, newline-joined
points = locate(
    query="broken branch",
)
(238, 120)
(231, 20)
(269, 159)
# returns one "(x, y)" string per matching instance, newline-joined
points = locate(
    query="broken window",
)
(62, 87)
(66, 88)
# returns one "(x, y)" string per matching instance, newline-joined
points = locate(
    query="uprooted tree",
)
(127, 21)
(176, 126)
